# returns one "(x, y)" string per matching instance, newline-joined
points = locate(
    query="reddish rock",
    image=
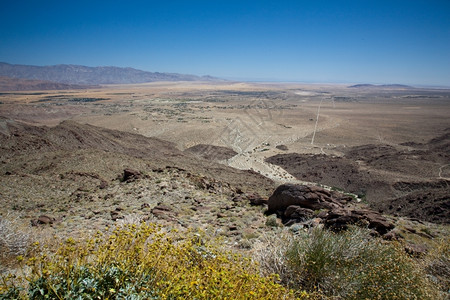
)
(131, 175)
(256, 199)
(339, 219)
(376, 220)
(163, 211)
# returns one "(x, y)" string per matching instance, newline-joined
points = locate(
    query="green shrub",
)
(346, 265)
(272, 221)
(353, 265)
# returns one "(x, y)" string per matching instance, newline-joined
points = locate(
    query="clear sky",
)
(365, 41)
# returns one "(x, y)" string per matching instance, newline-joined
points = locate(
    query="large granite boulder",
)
(301, 195)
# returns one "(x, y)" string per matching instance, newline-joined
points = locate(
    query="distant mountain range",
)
(384, 86)
(82, 75)
(18, 84)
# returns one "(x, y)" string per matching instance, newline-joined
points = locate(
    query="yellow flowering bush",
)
(141, 262)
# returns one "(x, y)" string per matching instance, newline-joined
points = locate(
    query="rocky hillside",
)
(410, 180)
(75, 74)
(78, 178)
(19, 139)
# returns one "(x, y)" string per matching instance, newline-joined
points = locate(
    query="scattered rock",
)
(162, 207)
(425, 235)
(339, 219)
(108, 196)
(393, 235)
(163, 211)
(282, 147)
(416, 250)
(256, 199)
(239, 199)
(130, 175)
(103, 185)
(232, 227)
(323, 214)
(209, 184)
(43, 220)
(296, 204)
(221, 215)
(115, 215)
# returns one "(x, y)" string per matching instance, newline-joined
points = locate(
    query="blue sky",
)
(362, 41)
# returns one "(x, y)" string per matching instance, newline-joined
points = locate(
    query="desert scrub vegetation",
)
(437, 264)
(15, 239)
(139, 262)
(347, 265)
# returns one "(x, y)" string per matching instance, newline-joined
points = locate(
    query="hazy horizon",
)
(382, 42)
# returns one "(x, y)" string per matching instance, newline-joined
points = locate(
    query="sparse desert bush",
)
(272, 221)
(14, 237)
(130, 219)
(270, 254)
(141, 262)
(347, 265)
(437, 265)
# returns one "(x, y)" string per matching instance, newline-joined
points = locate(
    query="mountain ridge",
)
(19, 84)
(84, 75)
(391, 86)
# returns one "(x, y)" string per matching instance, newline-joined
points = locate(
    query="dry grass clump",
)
(14, 238)
(141, 262)
(347, 265)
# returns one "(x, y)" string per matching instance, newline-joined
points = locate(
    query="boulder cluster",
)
(310, 206)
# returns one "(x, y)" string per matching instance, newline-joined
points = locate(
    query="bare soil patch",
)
(212, 152)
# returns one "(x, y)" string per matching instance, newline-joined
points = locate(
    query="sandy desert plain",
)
(63, 155)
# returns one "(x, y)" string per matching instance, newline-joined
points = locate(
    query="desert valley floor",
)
(387, 145)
